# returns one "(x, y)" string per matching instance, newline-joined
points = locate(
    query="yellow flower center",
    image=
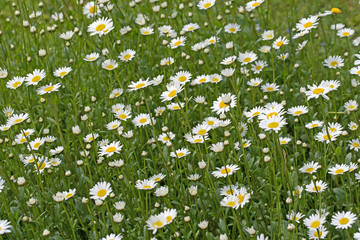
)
(343, 221)
(36, 145)
(18, 120)
(176, 107)
(122, 116)
(317, 234)
(255, 114)
(198, 140)
(315, 224)
(279, 43)
(346, 33)
(147, 187)
(297, 112)
(48, 89)
(157, 224)
(316, 188)
(168, 219)
(127, 56)
(146, 32)
(166, 138)
(229, 192)
(318, 90)
(247, 59)
(225, 170)
(16, 84)
(172, 93)
(232, 29)
(335, 10)
(180, 154)
(223, 105)
(273, 125)
(101, 193)
(207, 5)
(231, 204)
(143, 120)
(326, 137)
(258, 67)
(69, 195)
(308, 24)
(157, 179)
(177, 43)
(334, 63)
(92, 9)
(255, 4)
(241, 198)
(62, 73)
(202, 132)
(202, 80)
(100, 27)
(355, 144)
(36, 79)
(269, 89)
(41, 166)
(140, 85)
(182, 79)
(309, 170)
(339, 171)
(110, 149)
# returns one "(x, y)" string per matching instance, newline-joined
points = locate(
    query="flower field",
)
(179, 119)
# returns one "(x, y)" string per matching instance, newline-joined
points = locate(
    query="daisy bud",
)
(296, 120)
(288, 200)
(190, 5)
(262, 136)
(358, 160)
(265, 97)
(298, 142)
(79, 162)
(163, 5)
(20, 181)
(265, 150)
(132, 4)
(42, 52)
(229, 45)
(169, 144)
(187, 219)
(84, 117)
(32, 201)
(25, 218)
(314, 177)
(144, 153)
(98, 202)
(202, 164)
(346, 54)
(338, 73)
(304, 145)
(203, 225)
(302, 90)
(176, 234)
(118, 217)
(206, 24)
(251, 230)
(227, 134)
(187, 57)
(201, 62)
(99, 161)
(165, 42)
(112, 195)
(227, 11)
(46, 233)
(6, 140)
(190, 14)
(290, 227)
(93, 98)
(296, 65)
(226, 142)
(87, 109)
(32, 29)
(26, 23)
(222, 116)
(181, 6)
(67, 173)
(12, 178)
(281, 93)
(88, 146)
(223, 237)
(173, 15)
(105, 52)
(41, 119)
(162, 15)
(121, 177)
(267, 158)
(76, 130)
(157, 205)
(316, 35)
(206, 50)
(344, 133)
(46, 131)
(187, 208)
(252, 15)
(219, 17)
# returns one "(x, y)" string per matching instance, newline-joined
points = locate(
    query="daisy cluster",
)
(194, 119)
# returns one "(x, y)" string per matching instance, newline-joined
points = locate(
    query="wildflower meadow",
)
(179, 119)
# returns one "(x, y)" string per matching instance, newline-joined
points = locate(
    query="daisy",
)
(265, 49)
(230, 201)
(229, 190)
(112, 236)
(92, 57)
(243, 196)
(284, 140)
(205, 4)
(254, 112)
(180, 153)
(331, 84)
(182, 77)
(172, 90)
(167, 61)
(280, 41)
(297, 111)
(324, 137)
(270, 87)
(15, 82)
(355, 71)
(127, 55)
(295, 216)
(274, 123)
(343, 220)
(62, 72)
(318, 187)
(100, 190)
(212, 122)
(232, 28)
(195, 138)
(177, 42)
(159, 110)
(354, 144)
(345, 32)
(139, 84)
(302, 45)
(90, 137)
(228, 72)
(113, 125)
(35, 77)
(67, 35)
(116, 93)
(109, 64)
(170, 215)
(143, 119)
(338, 169)
(334, 62)
(146, 31)
(110, 149)
(317, 91)
(17, 118)
(165, 30)
(8, 111)
(334, 128)
(175, 106)
(353, 126)
(91, 9)
(166, 137)
(307, 23)
(314, 221)
(123, 114)
(190, 27)
(247, 57)
(258, 66)
(310, 167)
(283, 56)
(3, 73)
(5, 226)
(158, 177)
(69, 194)
(319, 233)
(155, 222)
(215, 78)
(225, 171)
(101, 27)
(224, 103)
(254, 82)
(228, 60)
(157, 80)
(253, 4)
(268, 35)
(146, 184)
(41, 164)
(48, 88)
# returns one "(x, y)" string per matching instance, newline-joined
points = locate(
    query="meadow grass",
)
(154, 119)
